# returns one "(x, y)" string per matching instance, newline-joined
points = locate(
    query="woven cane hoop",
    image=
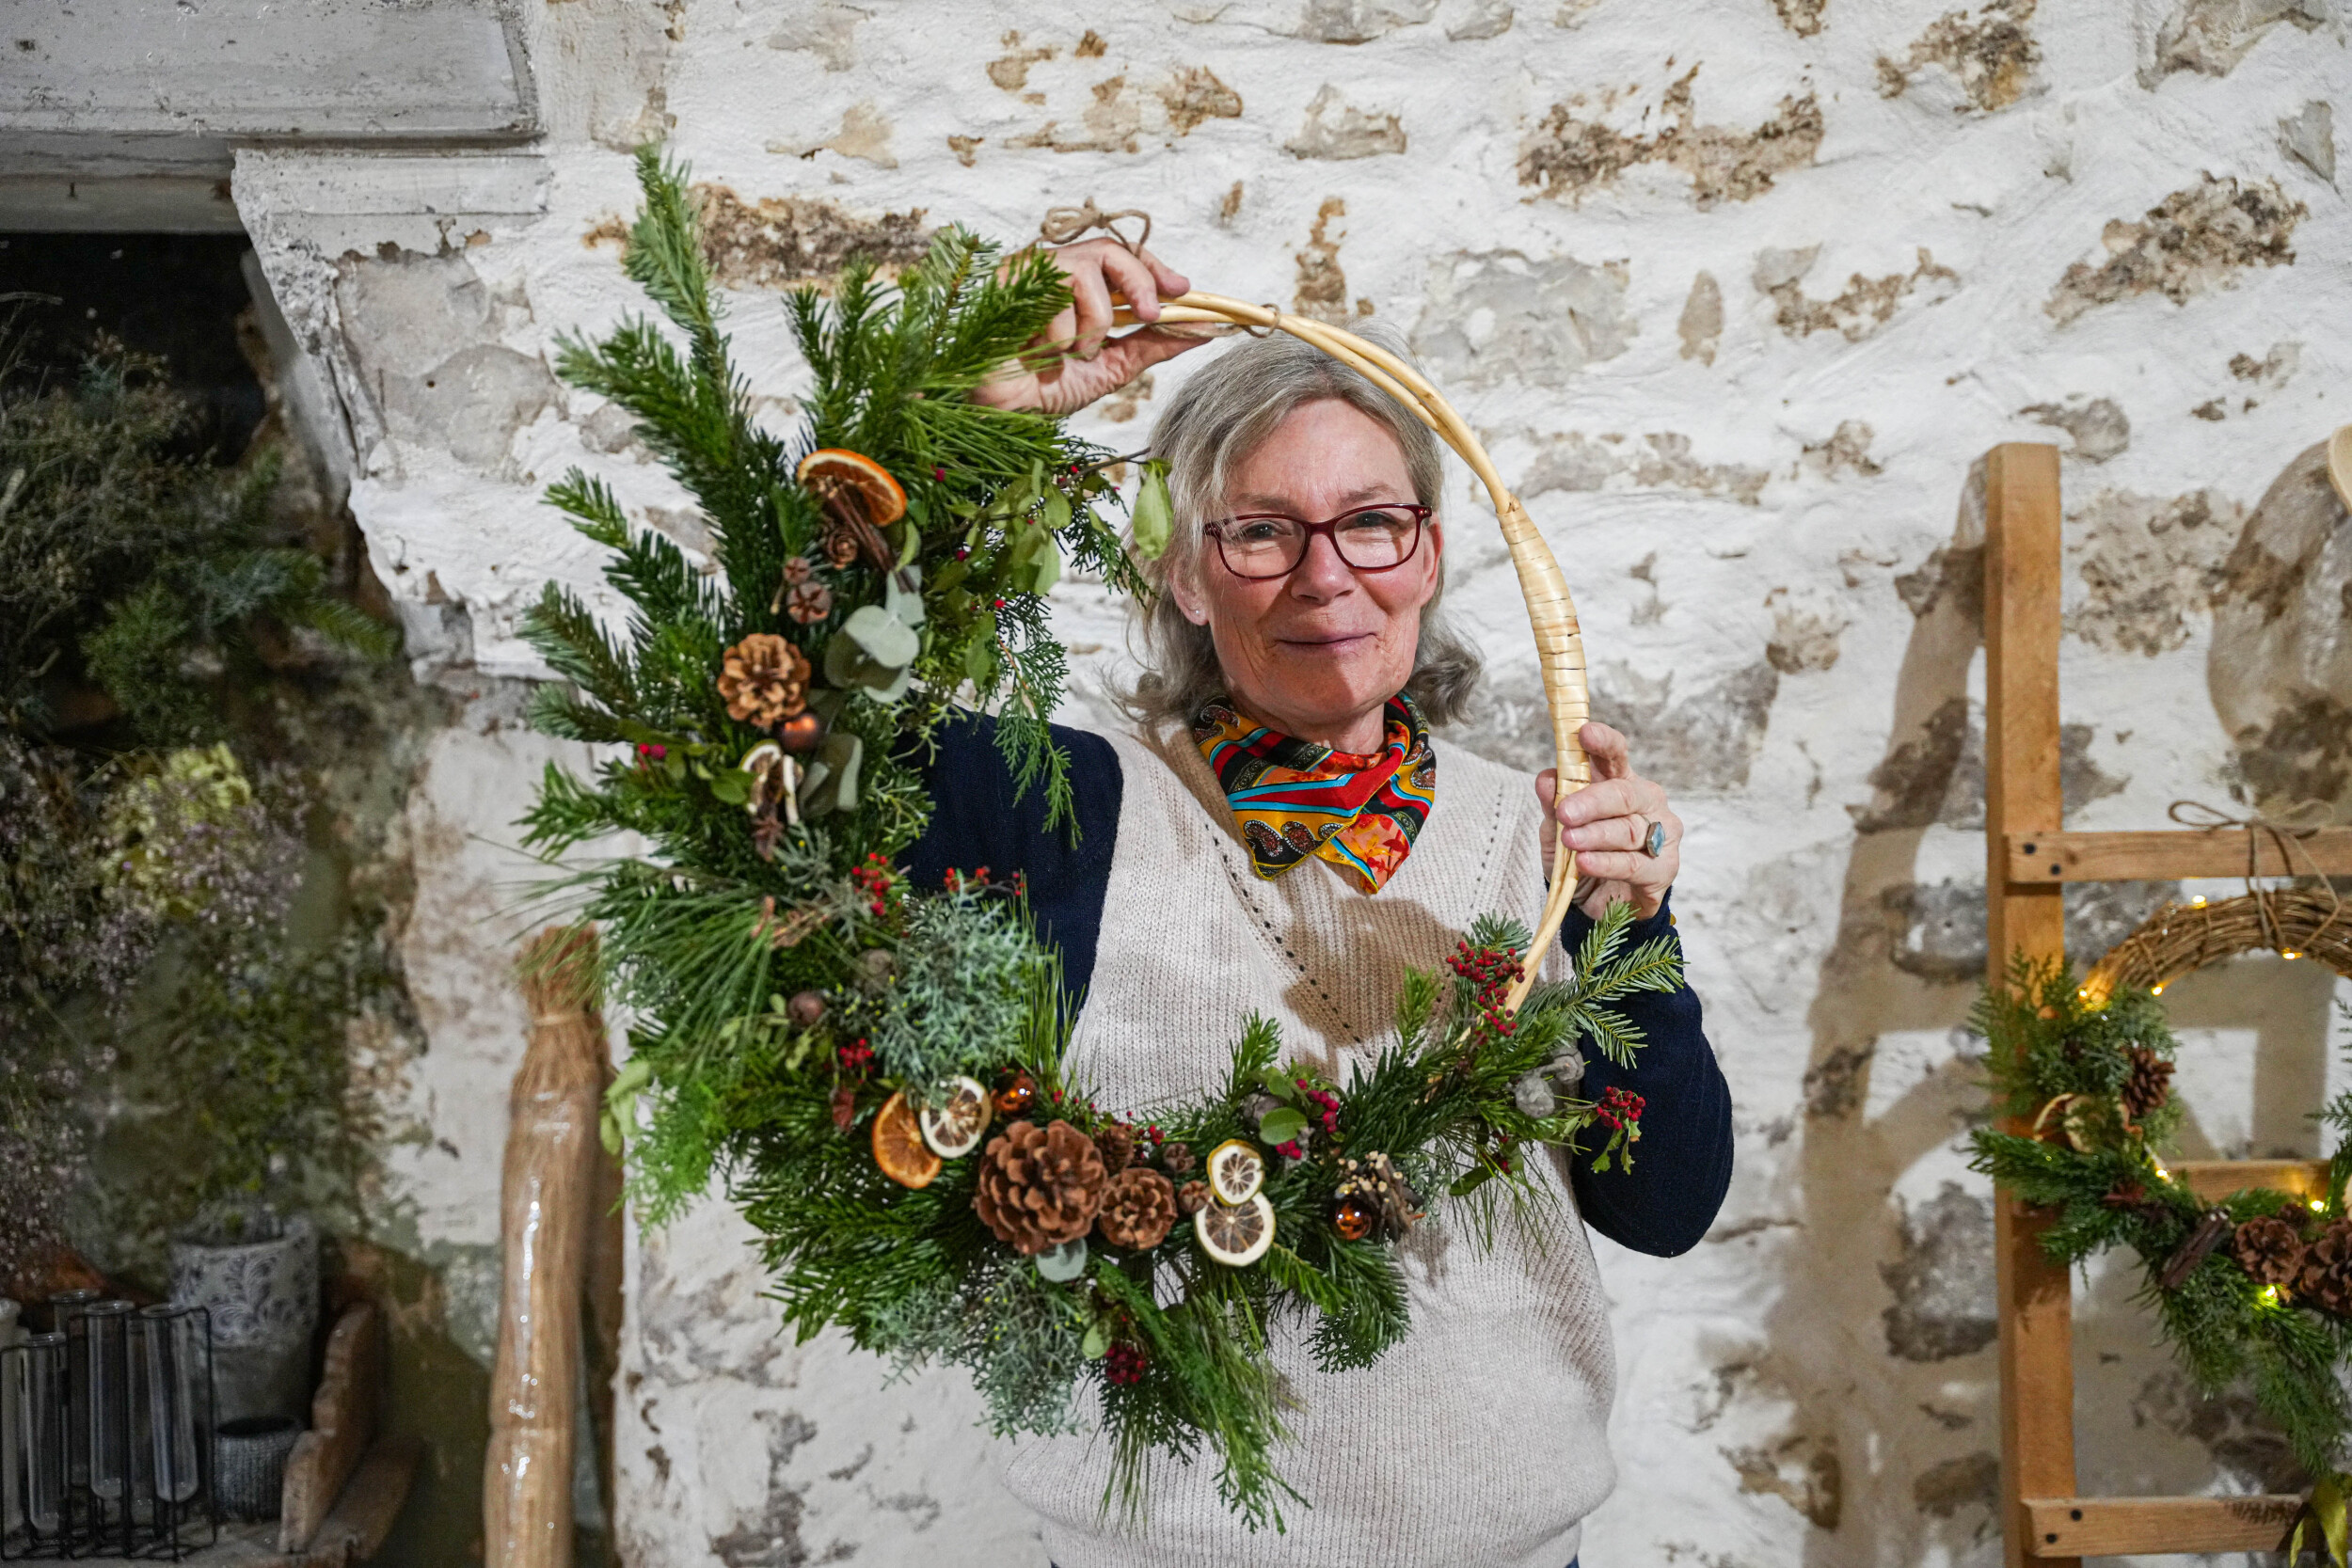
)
(1551, 613)
(2296, 922)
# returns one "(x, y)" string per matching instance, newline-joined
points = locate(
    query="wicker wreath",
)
(1559, 644)
(2295, 923)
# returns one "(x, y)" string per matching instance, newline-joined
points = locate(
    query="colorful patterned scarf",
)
(1295, 798)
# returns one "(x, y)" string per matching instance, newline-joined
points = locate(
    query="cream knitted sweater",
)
(1480, 1440)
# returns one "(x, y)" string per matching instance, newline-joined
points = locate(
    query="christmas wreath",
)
(877, 1071)
(2256, 1286)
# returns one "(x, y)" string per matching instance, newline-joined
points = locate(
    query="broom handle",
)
(1559, 644)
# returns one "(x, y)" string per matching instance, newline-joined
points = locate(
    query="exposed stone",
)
(1801, 1471)
(1496, 315)
(1230, 207)
(771, 1539)
(1568, 157)
(1125, 403)
(1702, 744)
(1949, 574)
(421, 331)
(1936, 774)
(2098, 425)
(1322, 290)
(2280, 666)
(1010, 70)
(828, 31)
(2309, 136)
(1578, 463)
(1865, 306)
(1801, 17)
(1701, 325)
(1360, 20)
(2198, 238)
(2213, 410)
(964, 148)
(1806, 628)
(1973, 1480)
(1937, 930)
(1943, 1281)
(784, 242)
(864, 134)
(1846, 450)
(2273, 370)
(1338, 130)
(1090, 46)
(1988, 51)
(2150, 563)
(2230, 1426)
(2210, 37)
(1484, 19)
(1195, 95)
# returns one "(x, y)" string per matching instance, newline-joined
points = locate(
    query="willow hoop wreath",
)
(878, 1071)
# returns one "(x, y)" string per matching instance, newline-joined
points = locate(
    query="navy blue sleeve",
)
(1682, 1165)
(976, 822)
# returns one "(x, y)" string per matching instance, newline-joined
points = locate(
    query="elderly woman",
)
(1281, 830)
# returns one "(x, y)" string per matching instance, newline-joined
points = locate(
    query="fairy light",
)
(2163, 1175)
(2291, 955)
(2270, 1295)
(2157, 992)
(2197, 902)
(2319, 1206)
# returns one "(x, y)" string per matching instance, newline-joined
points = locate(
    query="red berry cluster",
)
(1619, 1108)
(648, 754)
(1124, 1364)
(879, 879)
(957, 880)
(1493, 971)
(856, 1057)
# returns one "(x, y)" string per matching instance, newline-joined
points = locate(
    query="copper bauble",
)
(802, 732)
(1353, 1218)
(1017, 1097)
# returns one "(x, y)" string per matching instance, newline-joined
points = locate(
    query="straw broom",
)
(546, 1218)
(1559, 645)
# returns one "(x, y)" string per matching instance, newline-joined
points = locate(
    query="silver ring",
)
(1654, 842)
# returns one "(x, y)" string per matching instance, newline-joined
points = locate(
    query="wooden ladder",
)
(2029, 858)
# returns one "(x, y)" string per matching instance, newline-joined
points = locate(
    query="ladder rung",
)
(2171, 854)
(2111, 1527)
(2215, 1180)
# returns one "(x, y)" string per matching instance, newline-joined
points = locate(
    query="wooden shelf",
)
(2169, 855)
(2112, 1527)
(2213, 1180)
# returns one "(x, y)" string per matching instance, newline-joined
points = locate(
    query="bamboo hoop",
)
(1551, 611)
(2295, 923)
(548, 1187)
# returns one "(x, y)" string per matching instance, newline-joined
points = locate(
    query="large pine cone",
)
(2326, 1278)
(2148, 1087)
(1039, 1186)
(1139, 1209)
(2269, 1249)
(765, 680)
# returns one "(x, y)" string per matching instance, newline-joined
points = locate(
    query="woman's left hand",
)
(1607, 822)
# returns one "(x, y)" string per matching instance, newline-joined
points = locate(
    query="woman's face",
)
(1317, 653)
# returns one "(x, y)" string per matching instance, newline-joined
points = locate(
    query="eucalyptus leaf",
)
(1154, 519)
(882, 636)
(1064, 1263)
(1097, 1344)
(831, 782)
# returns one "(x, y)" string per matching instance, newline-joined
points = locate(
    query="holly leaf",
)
(1097, 1344)
(1283, 1126)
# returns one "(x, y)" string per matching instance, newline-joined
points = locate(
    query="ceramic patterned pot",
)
(259, 1279)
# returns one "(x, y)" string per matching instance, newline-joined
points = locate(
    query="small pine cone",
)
(809, 603)
(1176, 1159)
(1192, 1197)
(1139, 1209)
(2269, 1249)
(2326, 1277)
(2148, 1084)
(841, 543)
(1117, 1144)
(1039, 1186)
(796, 571)
(765, 680)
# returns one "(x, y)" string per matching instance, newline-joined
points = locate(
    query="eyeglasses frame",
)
(1327, 528)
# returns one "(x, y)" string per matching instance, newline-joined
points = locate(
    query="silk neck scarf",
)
(1295, 798)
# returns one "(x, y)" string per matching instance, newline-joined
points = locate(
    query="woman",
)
(1281, 832)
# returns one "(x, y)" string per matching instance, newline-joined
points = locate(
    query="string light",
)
(2197, 902)
(2157, 992)
(2319, 1206)
(2291, 955)
(2270, 1295)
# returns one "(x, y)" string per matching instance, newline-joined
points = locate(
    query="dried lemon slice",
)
(953, 1126)
(898, 1145)
(1237, 1171)
(1235, 1234)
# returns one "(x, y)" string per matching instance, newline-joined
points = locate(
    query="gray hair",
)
(1218, 419)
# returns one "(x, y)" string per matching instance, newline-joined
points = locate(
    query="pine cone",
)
(2326, 1277)
(765, 680)
(842, 540)
(1139, 1209)
(1176, 1159)
(1192, 1197)
(1039, 1186)
(2270, 1249)
(809, 603)
(2148, 1088)
(1117, 1144)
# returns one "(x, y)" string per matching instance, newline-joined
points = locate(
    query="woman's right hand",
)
(1074, 360)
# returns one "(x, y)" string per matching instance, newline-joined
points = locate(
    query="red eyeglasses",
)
(1262, 545)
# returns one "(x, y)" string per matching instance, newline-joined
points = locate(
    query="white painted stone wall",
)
(1737, 290)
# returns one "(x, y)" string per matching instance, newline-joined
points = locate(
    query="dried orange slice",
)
(898, 1145)
(1237, 1171)
(838, 468)
(1235, 1234)
(953, 1126)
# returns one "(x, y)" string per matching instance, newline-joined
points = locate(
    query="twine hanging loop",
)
(1068, 225)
